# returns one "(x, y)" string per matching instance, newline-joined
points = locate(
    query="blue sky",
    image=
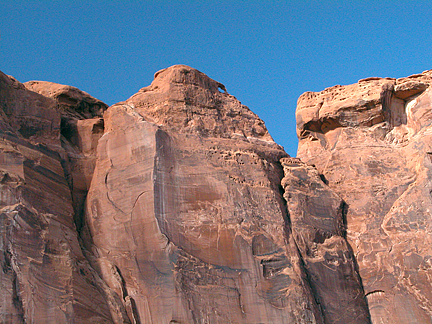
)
(267, 53)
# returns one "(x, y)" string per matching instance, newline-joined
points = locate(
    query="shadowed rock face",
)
(318, 225)
(45, 278)
(174, 206)
(376, 156)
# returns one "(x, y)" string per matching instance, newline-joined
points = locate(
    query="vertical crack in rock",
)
(317, 222)
(12, 307)
(17, 299)
(42, 189)
(129, 302)
(164, 163)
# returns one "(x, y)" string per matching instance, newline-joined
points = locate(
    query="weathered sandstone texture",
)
(44, 275)
(176, 205)
(372, 143)
(317, 218)
(185, 215)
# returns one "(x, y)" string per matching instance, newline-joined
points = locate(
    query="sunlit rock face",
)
(174, 206)
(372, 142)
(185, 207)
(177, 206)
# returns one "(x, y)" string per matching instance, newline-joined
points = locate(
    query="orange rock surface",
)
(371, 141)
(176, 205)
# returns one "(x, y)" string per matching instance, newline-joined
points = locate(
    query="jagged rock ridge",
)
(176, 206)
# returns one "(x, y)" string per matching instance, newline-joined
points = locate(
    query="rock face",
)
(45, 278)
(372, 143)
(317, 217)
(185, 208)
(176, 205)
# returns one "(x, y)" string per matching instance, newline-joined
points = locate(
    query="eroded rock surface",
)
(318, 217)
(45, 277)
(176, 205)
(185, 207)
(81, 127)
(372, 142)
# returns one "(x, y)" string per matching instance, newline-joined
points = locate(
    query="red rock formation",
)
(372, 142)
(81, 127)
(45, 277)
(317, 217)
(175, 206)
(187, 180)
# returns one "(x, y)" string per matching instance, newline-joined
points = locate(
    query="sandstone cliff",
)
(176, 206)
(371, 141)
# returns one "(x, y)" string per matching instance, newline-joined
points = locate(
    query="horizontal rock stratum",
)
(176, 205)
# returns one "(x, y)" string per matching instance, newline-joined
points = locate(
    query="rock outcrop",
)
(45, 277)
(176, 205)
(318, 225)
(371, 141)
(185, 208)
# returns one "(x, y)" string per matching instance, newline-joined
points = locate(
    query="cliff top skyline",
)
(266, 55)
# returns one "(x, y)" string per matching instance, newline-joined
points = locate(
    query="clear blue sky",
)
(267, 53)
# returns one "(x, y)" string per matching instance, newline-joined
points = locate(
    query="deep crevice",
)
(282, 200)
(342, 220)
(323, 178)
(344, 210)
(16, 299)
(17, 302)
(288, 232)
(132, 311)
